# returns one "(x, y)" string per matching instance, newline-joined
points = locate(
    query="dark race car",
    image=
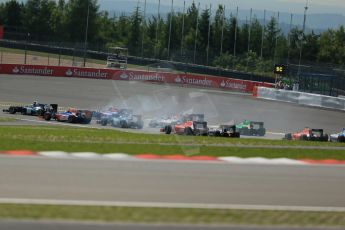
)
(224, 131)
(70, 116)
(307, 134)
(251, 128)
(35, 109)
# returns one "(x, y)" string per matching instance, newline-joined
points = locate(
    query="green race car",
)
(251, 128)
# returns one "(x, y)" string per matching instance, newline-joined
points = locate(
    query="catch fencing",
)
(182, 79)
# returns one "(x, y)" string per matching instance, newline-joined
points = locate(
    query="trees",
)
(11, 13)
(37, 18)
(76, 14)
(65, 21)
(135, 32)
(271, 32)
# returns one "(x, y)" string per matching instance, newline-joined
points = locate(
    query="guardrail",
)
(132, 75)
(300, 98)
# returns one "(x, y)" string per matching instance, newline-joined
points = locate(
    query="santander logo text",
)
(193, 81)
(86, 73)
(233, 85)
(33, 70)
(141, 76)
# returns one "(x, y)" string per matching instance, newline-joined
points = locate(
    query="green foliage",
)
(65, 21)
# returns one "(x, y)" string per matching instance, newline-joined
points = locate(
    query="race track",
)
(171, 182)
(152, 100)
(145, 181)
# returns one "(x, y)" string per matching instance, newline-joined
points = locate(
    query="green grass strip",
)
(71, 139)
(170, 215)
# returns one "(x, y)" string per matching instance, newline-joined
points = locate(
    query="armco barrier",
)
(300, 98)
(133, 75)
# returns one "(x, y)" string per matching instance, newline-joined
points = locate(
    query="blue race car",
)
(122, 118)
(338, 137)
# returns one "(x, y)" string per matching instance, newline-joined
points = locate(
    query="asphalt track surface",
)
(34, 225)
(171, 182)
(154, 100)
(145, 181)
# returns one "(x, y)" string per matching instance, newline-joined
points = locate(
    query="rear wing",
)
(200, 124)
(257, 123)
(54, 108)
(317, 131)
(228, 127)
(194, 117)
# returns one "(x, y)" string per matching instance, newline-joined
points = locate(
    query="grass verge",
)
(72, 139)
(170, 215)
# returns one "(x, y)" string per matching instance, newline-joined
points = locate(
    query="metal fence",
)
(314, 78)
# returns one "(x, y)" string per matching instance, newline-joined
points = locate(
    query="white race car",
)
(338, 137)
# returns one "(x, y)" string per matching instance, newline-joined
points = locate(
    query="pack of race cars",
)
(184, 124)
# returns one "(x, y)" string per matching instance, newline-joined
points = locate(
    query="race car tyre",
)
(288, 136)
(226, 134)
(167, 129)
(325, 138)
(23, 112)
(140, 125)
(104, 122)
(71, 119)
(47, 116)
(303, 138)
(237, 135)
(217, 133)
(39, 112)
(12, 110)
(341, 138)
(188, 131)
(87, 121)
(261, 132)
(123, 124)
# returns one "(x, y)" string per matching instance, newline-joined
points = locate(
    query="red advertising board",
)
(1, 32)
(133, 75)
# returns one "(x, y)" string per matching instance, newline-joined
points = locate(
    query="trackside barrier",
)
(133, 75)
(300, 98)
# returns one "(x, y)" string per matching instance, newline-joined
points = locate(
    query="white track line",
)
(274, 133)
(170, 205)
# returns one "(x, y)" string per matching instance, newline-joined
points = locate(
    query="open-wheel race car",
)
(121, 118)
(35, 109)
(307, 134)
(190, 125)
(251, 128)
(224, 131)
(71, 115)
(338, 137)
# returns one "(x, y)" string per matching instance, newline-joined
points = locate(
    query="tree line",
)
(198, 35)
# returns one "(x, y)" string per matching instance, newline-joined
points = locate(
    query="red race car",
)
(307, 134)
(192, 125)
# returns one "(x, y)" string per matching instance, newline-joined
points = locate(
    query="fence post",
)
(59, 56)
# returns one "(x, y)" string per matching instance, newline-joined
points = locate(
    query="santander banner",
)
(133, 75)
(1, 32)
